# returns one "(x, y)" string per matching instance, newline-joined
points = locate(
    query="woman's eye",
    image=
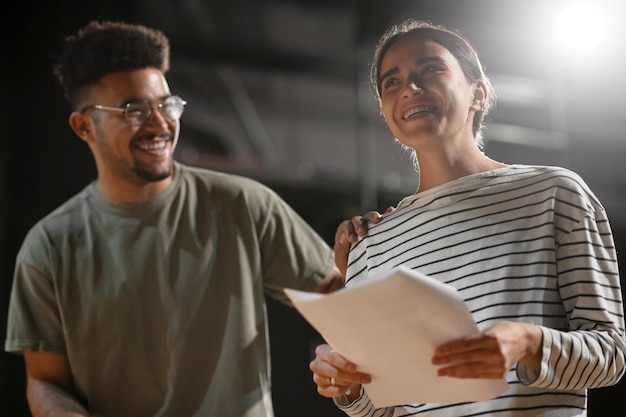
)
(389, 82)
(431, 68)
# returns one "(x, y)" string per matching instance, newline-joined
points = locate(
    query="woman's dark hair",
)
(102, 48)
(458, 46)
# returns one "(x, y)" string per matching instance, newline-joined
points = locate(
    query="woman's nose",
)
(412, 87)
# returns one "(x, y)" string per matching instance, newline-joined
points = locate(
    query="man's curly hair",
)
(102, 48)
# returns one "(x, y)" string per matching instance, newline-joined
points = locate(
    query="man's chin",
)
(152, 175)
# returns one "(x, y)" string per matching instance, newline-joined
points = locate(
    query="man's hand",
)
(333, 282)
(348, 233)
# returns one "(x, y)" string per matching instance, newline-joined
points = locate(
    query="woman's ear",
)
(82, 125)
(480, 95)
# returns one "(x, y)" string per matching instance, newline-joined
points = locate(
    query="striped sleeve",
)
(363, 407)
(590, 354)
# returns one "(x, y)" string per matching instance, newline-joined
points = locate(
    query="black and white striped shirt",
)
(521, 243)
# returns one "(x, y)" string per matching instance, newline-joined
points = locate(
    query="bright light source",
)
(586, 26)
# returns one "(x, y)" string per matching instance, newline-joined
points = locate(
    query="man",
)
(143, 295)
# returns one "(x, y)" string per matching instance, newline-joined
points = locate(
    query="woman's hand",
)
(492, 352)
(335, 376)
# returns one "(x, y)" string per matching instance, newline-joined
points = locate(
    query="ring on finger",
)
(331, 381)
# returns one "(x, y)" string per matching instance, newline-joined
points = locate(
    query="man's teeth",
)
(152, 146)
(415, 110)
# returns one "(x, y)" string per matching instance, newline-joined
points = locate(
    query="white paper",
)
(389, 326)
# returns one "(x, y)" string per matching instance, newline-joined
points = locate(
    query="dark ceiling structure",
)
(279, 90)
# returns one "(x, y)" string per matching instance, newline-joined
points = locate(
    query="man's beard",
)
(152, 176)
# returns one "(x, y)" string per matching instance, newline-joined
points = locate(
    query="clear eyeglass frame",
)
(137, 112)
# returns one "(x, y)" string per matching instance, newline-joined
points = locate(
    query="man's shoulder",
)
(69, 207)
(218, 180)
(61, 220)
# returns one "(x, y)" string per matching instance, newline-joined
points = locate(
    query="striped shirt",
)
(521, 243)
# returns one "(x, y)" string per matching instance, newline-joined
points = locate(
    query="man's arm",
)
(50, 387)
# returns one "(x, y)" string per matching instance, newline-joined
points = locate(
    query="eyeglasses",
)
(137, 112)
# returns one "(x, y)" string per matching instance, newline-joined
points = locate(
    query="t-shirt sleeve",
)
(34, 322)
(293, 254)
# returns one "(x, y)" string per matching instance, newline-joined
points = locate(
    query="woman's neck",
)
(437, 169)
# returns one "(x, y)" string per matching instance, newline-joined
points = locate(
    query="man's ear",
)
(82, 125)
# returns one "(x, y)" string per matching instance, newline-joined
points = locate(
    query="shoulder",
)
(70, 211)
(219, 180)
(546, 175)
(221, 187)
(63, 221)
(563, 183)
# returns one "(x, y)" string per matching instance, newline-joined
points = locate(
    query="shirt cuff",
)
(343, 401)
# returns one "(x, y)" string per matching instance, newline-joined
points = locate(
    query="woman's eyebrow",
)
(389, 73)
(429, 59)
(418, 62)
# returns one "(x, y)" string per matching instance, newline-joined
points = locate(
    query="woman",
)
(529, 248)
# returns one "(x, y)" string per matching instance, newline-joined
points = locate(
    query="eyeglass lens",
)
(171, 109)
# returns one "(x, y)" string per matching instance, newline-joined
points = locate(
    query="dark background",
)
(277, 90)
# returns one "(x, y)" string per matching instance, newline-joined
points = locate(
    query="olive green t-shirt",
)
(159, 305)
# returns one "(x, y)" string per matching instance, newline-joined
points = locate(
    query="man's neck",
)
(125, 192)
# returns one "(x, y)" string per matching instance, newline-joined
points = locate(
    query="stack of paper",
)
(389, 326)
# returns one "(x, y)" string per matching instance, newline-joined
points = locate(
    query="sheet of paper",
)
(389, 326)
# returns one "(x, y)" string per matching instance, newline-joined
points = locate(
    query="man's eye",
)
(135, 111)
